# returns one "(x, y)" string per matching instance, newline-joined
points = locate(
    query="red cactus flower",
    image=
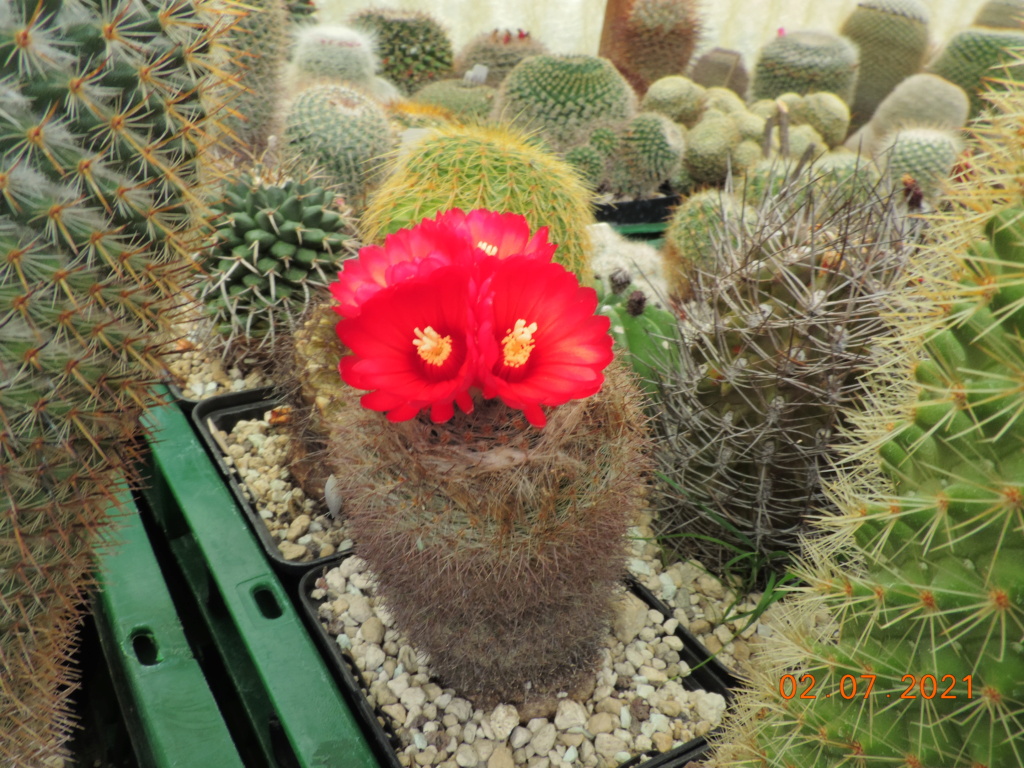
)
(452, 237)
(539, 339)
(413, 344)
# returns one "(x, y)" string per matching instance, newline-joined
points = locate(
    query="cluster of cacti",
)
(919, 662)
(465, 100)
(563, 97)
(499, 50)
(721, 67)
(806, 61)
(344, 132)
(978, 58)
(468, 167)
(657, 38)
(277, 241)
(414, 49)
(260, 41)
(787, 300)
(101, 123)
(922, 100)
(676, 97)
(333, 52)
(824, 112)
(892, 36)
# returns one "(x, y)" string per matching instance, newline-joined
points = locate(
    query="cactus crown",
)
(499, 50)
(414, 48)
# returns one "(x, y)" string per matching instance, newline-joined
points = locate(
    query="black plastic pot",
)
(638, 216)
(222, 412)
(707, 674)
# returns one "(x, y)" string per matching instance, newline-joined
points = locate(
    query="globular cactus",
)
(260, 40)
(805, 61)
(724, 100)
(1003, 14)
(563, 97)
(590, 163)
(344, 132)
(102, 121)
(676, 97)
(657, 39)
(892, 36)
(468, 167)
(414, 49)
(788, 300)
(499, 50)
(709, 146)
(919, 575)
(277, 241)
(333, 52)
(827, 114)
(922, 157)
(650, 148)
(620, 262)
(721, 67)
(977, 58)
(467, 101)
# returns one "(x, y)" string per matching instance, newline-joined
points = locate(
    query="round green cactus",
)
(1004, 14)
(335, 52)
(414, 49)
(676, 97)
(650, 147)
(344, 132)
(499, 50)
(465, 100)
(976, 58)
(564, 96)
(806, 61)
(923, 157)
(892, 36)
(708, 147)
(922, 100)
(827, 114)
(277, 240)
(590, 164)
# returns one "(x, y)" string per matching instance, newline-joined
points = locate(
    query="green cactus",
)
(788, 299)
(334, 52)
(919, 575)
(650, 147)
(977, 59)
(605, 140)
(751, 126)
(476, 166)
(499, 50)
(709, 145)
(590, 164)
(414, 49)
(827, 114)
(467, 101)
(921, 101)
(100, 129)
(563, 96)
(1001, 14)
(724, 100)
(676, 97)
(925, 156)
(261, 37)
(646, 336)
(657, 39)
(721, 67)
(892, 36)
(806, 61)
(277, 240)
(344, 131)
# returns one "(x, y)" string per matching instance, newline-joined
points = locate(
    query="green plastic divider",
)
(171, 715)
(645, 228)
(296, 710)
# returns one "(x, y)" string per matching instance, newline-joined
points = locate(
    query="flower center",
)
(432, 346)
(489, 248)
(518, 343)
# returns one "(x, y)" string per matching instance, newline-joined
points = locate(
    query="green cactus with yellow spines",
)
(563, 97)
(478, 166)
(805, 61)
(892, 36)
(919, 572)
(414, 49)
(105, 115)
(978, 58)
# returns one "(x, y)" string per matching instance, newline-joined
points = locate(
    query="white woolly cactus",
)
(339, 53)
(618, 261)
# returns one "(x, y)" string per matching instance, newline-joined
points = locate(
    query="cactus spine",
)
(101, 125)
(920, 574)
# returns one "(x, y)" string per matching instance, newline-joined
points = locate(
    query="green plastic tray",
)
(171, 716)
(295, 712)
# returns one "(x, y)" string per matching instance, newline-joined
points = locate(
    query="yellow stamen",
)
(489, 248)
(432, 346)
(518, 343)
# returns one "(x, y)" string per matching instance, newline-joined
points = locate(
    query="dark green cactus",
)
(100, 125)
(650, 148)
(977, 58)
(413, 47)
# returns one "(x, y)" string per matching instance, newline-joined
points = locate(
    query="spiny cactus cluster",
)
(919, 575)
(277, 241)
(499, 50)
(101, 124)
(344, 132)
(563, 97)
(786, 302)
(414, 48)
